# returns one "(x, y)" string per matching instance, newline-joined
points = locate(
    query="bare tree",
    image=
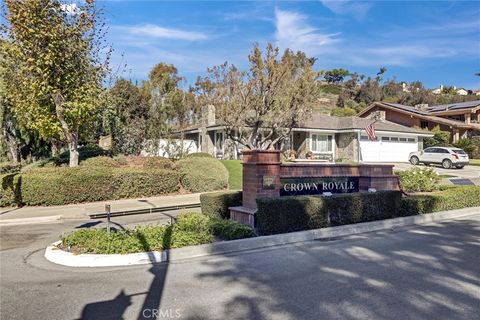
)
(259, 107)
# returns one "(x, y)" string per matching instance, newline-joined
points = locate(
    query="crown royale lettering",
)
(323, 186)
(318, 186)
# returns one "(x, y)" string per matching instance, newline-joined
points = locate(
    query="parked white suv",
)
(447, 157)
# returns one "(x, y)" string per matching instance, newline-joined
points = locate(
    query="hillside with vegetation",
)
(345, 94)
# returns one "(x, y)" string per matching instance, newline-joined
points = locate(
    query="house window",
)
(364, 138)
(385, 138)
(411, 140)
(394, 139)
(322, 143)
(424, 124)
(403, 139)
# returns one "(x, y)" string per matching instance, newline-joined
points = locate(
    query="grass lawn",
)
(235, 173)
(475, 162)
(446, 176)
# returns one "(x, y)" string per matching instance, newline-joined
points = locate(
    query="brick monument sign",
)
(264, 175)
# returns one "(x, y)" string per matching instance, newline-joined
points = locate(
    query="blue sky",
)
(435, 42)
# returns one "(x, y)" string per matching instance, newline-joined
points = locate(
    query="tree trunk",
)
(74, 155)
(12, 142)
(70, 136)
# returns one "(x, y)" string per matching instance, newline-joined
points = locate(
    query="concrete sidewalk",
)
(84, 210)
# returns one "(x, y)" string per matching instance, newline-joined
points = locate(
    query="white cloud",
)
(293, 31)
(358, 9)
(155, 31)
(70, 8)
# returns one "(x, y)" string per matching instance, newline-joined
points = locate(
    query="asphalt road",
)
(428, 272)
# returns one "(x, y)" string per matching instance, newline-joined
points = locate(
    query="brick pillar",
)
(258, 166)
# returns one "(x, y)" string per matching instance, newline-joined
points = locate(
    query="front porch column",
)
(467, 118)
(456, 135)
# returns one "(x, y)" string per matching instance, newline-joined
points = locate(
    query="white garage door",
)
(387, 148)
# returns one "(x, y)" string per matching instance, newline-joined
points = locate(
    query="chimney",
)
(421, 106)
(378, 115)
(208, 115)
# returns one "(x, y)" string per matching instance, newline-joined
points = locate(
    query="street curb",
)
(58, 256)
(22, 221)
(53, 254)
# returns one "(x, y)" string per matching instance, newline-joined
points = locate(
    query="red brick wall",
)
(257, 164)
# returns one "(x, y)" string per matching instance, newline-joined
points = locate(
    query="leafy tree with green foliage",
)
(168, 106)
(449, 90)
(440, 138)
(60, 63)
(125, 117)
(336, 75)
(260, 107)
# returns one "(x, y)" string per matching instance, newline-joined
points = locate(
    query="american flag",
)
(370, 129)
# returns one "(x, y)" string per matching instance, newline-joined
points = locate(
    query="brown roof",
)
(323, 121)
(422, 114)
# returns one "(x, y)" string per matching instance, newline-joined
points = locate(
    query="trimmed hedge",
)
(362, 207)
(199, 155)
(287, 214)
(448, 199)
(9, 167)
(158, 163)
(60, 186)
(100, 161)
(216, 204)
(201, 174)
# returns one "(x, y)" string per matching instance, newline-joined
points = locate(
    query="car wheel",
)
(446, 164)
(459, 167)
(414, 160)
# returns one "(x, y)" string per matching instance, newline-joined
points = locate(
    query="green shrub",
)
(100, 161)
(440, 138)
(231, 230)
(9, 167)
(60, 186)
(201, 174)
(362, 207)
(331, 88)
(199, 155)
(190, 229)
(419, 179)
(216, 204)
(133, 182)
(466, 145)
(158, 163)
(288, 214)
(193, 222)
(449, 199)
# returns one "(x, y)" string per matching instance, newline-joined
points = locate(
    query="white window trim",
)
(310, 134)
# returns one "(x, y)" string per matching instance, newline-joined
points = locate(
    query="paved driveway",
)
(469, 172)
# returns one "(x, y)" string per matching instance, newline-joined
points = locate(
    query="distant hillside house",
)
(322, 137)
(462, 120)
(459, 91)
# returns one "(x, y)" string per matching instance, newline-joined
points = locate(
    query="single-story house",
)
(321, 137)
(461, 119)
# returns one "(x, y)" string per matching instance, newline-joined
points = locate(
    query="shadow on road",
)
(115, 308)
(424, 273)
